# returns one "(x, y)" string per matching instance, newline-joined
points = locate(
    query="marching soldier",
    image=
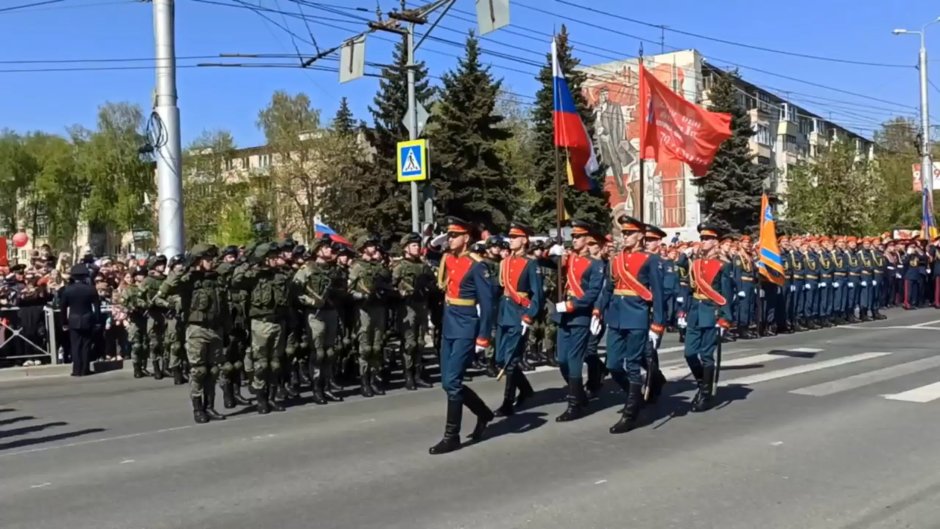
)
(854, 265)
(413, 279)
(466, 329)
(518, 307)
(176, 328)
(708, 314)
(156, 316)
(744, 282)
(811, 284)
(584, 279)
(826, 278)
(318, 299)
(267, 287)
(367, 290)
(136, 304)
(634, 287)
(236, 312)
(202, 302)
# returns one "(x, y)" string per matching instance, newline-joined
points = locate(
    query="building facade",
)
(786, 134)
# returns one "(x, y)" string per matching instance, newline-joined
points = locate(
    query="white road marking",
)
(95, 441)
(40, 485)
(600, 482)
(776, 443)
(803, 350)
(892, 327)
(678, 372)
(925, 324)
(126, 461)
(927, 393)
(799, 370)
(871, 377)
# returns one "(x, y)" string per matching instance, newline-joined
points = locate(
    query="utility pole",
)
(413, 120)
(926, 165)
(166, 139)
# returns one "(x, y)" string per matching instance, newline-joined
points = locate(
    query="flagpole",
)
(642, 201)
(559, 200)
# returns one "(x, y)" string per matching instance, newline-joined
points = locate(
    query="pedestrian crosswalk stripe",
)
(799, 370)
(922, 394)
(804, 350)
(677, 372)
(871, 377)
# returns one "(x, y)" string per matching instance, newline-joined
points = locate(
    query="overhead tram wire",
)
(713, 57)
(27, 6)
(672, 29)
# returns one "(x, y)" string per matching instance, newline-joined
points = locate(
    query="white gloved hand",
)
(835, 284)
(851, 285)
(525, 328)
(792, 288)
(654, 339)
(822, 285)
(897, 276)
(595, 325)
(874, 283)
(561, 306)
(741, 294)
(479, 349)
(478, 311)
(864, 283)
(807, 287)
(680, 300)
(762, 293)
(681, 322)
(721, 330)
(556, 250)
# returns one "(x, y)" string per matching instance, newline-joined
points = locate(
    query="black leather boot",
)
(209, 401)
(272, 393)
(177, 376)
(575, 410)
(376, 384)
(703, 399)
(318, 396)
(366, 383)
(507, 408)
(228, 395)
(138, 371)
(630, 414)
(491, 367)
(157, 369)
(263, 406)
(199, 414)
(451, 440)
(479, 408)
(237, 390)
(525, 389)
(420, 381)
(410, 380)
(657, 383)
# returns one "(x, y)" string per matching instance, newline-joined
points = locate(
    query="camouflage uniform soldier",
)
(298, 345)
(346, 310)
(136, 307)
(543, 335)
(318, 298)
(267, 286)
(203, 300)
(176, 328)
(295, 343)
(365, 276)
(236, 339)
(156, 324)
(413, 279)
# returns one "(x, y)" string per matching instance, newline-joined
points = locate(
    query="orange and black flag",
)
(770, 263)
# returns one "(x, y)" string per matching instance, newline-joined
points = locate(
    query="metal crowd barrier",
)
(12, 330)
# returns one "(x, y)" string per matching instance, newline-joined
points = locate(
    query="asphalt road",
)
(837, 428)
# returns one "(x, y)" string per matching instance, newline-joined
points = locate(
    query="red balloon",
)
(20, 239)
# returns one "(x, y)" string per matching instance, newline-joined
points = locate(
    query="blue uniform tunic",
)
(521, 302)
(709, 307)
(584, 277)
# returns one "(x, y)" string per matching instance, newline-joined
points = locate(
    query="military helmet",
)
(265, 250)
(298, 251)
(155, 261)
(410, 239)
(493, 240)
(230, 250)
(287, 245)
(175, 260)
(478, 247)
(320, 242)
(203, 251)
(365, 241)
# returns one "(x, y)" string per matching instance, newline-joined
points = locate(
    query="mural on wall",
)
(613, 94)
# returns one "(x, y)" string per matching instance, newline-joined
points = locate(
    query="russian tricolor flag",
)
(571, 133)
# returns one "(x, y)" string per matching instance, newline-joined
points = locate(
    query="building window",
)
(264, 161)
(788, 113)
(764, 103)
(246, 162)
(763, 160)
(805, 126)
(763, 135)
(228, 164)
(42, 226)
(790, 144)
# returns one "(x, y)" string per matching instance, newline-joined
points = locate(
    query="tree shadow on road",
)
(30, 429)
(12, 420)
(19, 443)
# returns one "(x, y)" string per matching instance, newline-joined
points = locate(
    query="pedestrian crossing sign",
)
(412, 160)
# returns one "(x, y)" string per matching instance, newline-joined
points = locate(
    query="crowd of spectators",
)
(28, 289)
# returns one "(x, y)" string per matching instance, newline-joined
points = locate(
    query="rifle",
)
(717, 363)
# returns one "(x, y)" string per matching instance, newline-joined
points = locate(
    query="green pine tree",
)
(390, 214)
(593, 206)
(732, 187)
(343, 122)
(470, 179)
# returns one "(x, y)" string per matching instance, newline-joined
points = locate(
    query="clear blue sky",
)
(215, 98)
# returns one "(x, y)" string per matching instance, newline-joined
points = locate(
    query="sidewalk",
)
(60, 370)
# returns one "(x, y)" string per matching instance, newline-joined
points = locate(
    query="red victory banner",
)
(675, 129)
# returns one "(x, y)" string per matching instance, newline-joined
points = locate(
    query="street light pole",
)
(926, 165)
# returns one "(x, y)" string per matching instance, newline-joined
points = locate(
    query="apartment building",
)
(786, 133)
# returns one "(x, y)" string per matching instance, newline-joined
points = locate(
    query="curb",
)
(11, 374)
